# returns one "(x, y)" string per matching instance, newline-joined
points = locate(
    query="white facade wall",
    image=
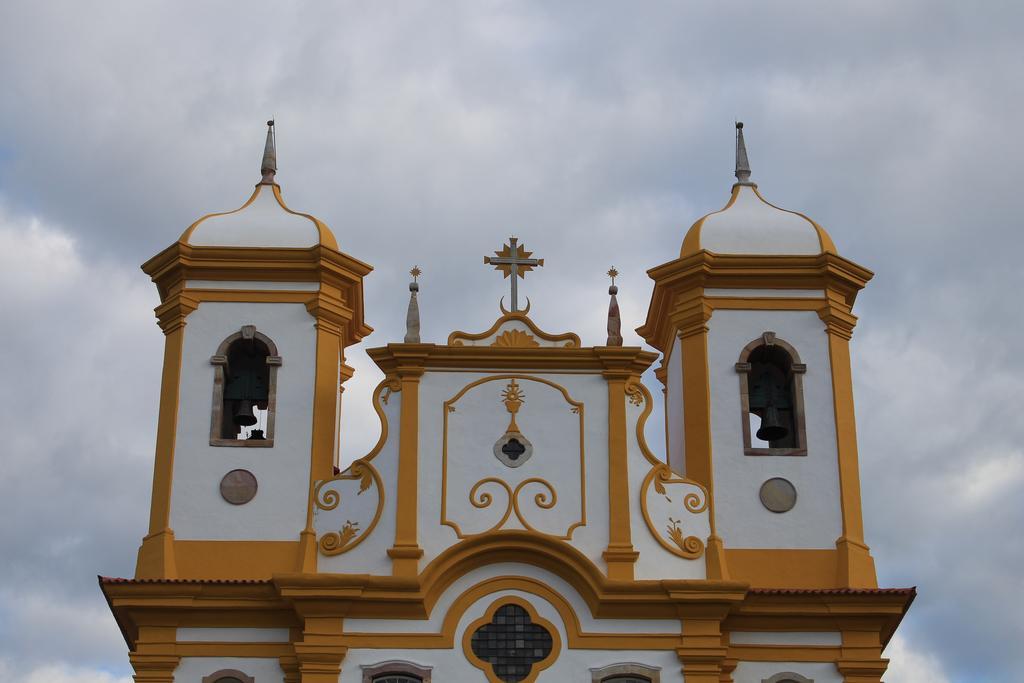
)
(547, 421)
(742, 521)
(674, 409)
(278, 512)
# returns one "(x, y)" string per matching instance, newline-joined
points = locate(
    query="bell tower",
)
(257, 308)
(754, 320)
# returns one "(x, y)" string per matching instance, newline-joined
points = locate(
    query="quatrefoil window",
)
(511, 643)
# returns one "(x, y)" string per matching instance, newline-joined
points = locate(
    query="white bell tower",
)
(257, 306)
(754, 320)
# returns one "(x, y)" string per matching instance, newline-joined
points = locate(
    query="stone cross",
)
(514, 261)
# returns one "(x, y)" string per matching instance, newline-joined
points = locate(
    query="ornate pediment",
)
(515, 330)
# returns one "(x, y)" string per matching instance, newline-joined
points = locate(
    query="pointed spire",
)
(742, 163)
(412, 316)
(614, 321)
(268, 168)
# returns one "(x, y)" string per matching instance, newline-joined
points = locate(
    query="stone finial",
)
(742, 163)
(412, 316)
(268, 168)
(614, 320)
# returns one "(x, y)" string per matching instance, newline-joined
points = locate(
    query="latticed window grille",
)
(511, 643)
(396, 678)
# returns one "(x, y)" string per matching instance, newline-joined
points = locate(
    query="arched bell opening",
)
(244, 390)
(771, 397)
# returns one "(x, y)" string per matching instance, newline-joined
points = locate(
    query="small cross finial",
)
(513, 260)
(742, 163)
(412, 315)
(268, 169)
(614, 319)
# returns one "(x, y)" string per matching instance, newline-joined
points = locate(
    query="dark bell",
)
(243, 416)
(772, 428)
(257, 435)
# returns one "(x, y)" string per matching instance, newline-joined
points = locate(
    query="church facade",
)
(511, 524)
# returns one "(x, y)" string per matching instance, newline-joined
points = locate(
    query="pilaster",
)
(406, 552)
(154, 659)
(855, 567)
(620, 555)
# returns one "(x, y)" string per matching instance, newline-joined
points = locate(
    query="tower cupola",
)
(264, 220)
(750, 224)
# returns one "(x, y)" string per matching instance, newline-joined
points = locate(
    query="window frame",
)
(219, 361)
(612, 672)
(798, 369)
(787, 677)
(216, 676)
(375, 672)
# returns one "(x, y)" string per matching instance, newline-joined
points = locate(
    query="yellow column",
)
(406, 552)
(861, 658)
(156, 556)
(620, 554)
(154, 659)
(319, 654)
(702, 653)
(855, 567)
(692, 331)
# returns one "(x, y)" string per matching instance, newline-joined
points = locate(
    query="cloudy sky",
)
(427, 132)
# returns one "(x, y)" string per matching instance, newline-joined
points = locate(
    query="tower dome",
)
(750, 225)
(263, 221)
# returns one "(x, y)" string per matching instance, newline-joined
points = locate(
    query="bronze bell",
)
(772, 428)
(243, 416)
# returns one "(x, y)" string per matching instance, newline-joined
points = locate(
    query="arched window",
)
(228, 676)
(787, 677)
(396, 672)
(772, 398)
(626, 673)
(244, 390)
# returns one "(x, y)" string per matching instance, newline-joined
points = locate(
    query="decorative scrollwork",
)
(635, 394)
(325, 498)
(677, 542)
(350, 535)
(544, 500)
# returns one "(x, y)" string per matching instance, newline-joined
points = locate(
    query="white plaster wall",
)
(742, 521)
(579, 606)
(233, 635)
(830, 638)
(252, 284)
(551, 460)
(278, 511)
(370, 556)
(752, 226)
(572, 666)
(192, 669)
(264, 223)
(674, 408)
(766, 293)
(755, 672)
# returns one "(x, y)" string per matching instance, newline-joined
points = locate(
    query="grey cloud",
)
(596, 132)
